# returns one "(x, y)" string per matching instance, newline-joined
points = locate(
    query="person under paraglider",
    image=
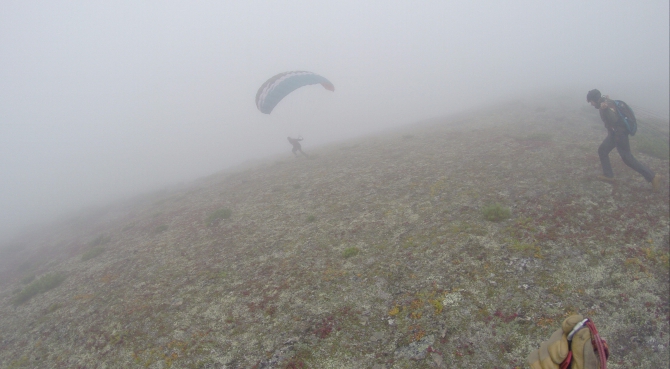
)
(296, 146)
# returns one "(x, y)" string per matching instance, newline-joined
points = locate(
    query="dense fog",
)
(104, 100)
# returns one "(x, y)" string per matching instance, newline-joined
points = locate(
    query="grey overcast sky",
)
(105, 99)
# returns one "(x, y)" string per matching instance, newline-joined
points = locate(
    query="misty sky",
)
(101, 100)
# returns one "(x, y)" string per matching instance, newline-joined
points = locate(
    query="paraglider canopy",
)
(277, 87)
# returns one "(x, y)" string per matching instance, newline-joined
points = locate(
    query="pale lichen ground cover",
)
(372, 254)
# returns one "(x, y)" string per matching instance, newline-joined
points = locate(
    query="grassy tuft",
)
(300, 359)
(311, 219)
(526, 249)
(495, 212)
(100, 240)
(27, 279)
(469, 228)
(350, 251)
(538, 136)
(215, 217)
(161, 228)
(53, 307)
(92, 252)
(41, 285)
(95, 248)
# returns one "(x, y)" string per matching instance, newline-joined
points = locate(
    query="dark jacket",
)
(610, 116)
(294, 141)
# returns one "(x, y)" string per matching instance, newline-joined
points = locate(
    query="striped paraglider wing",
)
(277, 87)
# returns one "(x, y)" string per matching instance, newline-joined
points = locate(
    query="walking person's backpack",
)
(627, 116)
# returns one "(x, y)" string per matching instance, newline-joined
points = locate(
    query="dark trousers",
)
(620, 141)
(296, 149)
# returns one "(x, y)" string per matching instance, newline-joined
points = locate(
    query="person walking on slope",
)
(617, 136)
(296, 146)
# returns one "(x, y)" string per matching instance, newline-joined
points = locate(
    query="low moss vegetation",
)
(161, 228)
(538, 136)
(53, 307)
(27, 279)
(95, 247)
(525, 249)
(381, 259)
(467, 228)
(100, 240)
(92, 252)
(217, 216)
(652, 145)
(495, 212)
(41, 285)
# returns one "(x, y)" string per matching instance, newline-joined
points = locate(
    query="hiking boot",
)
(607, 179)
(656, 183)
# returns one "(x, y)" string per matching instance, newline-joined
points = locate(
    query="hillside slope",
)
(371, 254)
